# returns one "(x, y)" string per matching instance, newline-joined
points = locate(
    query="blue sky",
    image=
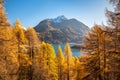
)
(31, 12)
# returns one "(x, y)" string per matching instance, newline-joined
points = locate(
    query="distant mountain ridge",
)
(61, 30)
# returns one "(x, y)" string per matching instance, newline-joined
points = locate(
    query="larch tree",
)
(45, 66)
(79, 72)
(93, 48)
(114, 50)
(60, 63)
(52, 67)
(107, 45)
(25, 63)
(69, 61)
(33, 48)
(8, 51)
(99, 45)
(40, 71)
(33, 41)
(20, 35)
(40, 63)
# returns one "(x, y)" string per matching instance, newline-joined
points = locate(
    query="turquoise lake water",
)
(75, 52)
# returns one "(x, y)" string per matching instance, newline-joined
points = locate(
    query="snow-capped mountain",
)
(61, 30)
(59, 19)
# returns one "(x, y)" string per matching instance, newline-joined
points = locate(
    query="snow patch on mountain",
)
(59, 19)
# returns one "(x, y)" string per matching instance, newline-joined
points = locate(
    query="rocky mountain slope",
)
(61, 30)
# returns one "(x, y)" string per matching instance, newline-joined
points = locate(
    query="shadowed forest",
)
(24, 57)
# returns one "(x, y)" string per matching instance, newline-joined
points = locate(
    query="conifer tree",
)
(33, 48)
(25, 63)
(3, 19)
(20, 35)
(69, 61)
(52, 67)
(39, 63)
(99, 45)
(8, 52)
(33, 41)
(45, 66)
(60, 62)
(93, 44)
(40, 60)
(78, 69)
(114, 50)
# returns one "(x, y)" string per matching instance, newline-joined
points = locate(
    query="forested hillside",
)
(24, 57)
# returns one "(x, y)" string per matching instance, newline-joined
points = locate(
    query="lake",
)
(75, 52)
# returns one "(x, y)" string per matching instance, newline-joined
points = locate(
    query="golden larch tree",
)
(33, 47)
(8, 51)
(19, 32)
(69, 61)
(60, 63)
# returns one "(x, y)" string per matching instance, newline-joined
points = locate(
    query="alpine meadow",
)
(60, 48)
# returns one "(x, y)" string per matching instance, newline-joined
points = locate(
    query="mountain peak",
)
(59, 19)
(61, 30)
